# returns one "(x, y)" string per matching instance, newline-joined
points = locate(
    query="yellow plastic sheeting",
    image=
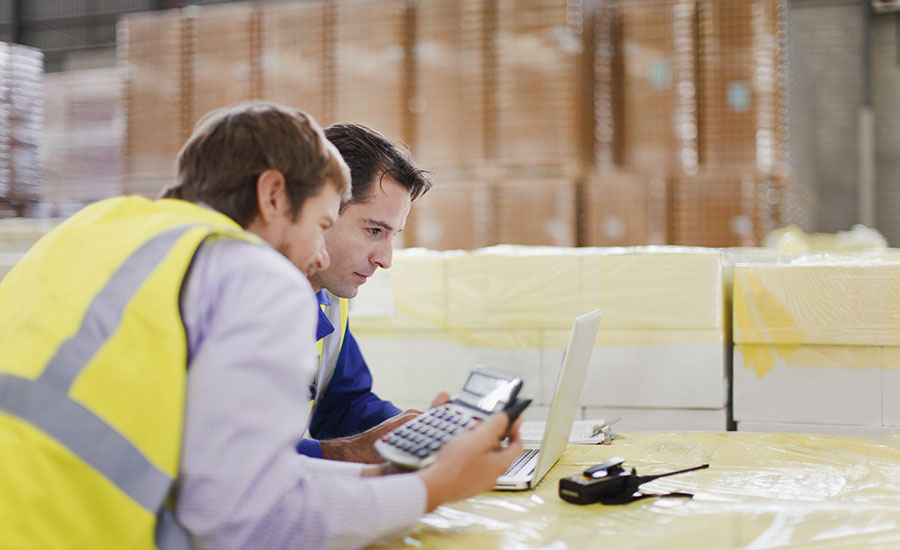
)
(763, 357)
(518, 287)
(854, 302)
(761, 491)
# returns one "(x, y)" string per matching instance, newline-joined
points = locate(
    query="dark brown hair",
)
(371, 156)
(220, 163)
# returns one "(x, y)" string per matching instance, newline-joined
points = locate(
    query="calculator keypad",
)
(429, 432)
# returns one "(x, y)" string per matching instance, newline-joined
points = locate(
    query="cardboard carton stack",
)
(534, 103)
(724, 207)
(21, 126)
(297, 56)
(656, 100)
(223, 53)
(453, 215)
(157, 115)
(539, 212)
(624, 209)
(817, 348)
(371, 38)
(542, 80)
(450, 86)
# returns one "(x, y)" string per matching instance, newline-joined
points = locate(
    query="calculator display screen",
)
(491, 391)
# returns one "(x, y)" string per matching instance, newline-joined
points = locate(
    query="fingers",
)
(441, 398)
(489, 433)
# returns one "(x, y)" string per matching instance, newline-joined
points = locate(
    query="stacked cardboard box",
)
(450, 83)
(661, 349)
(371, 45)
(21, 125)
(724, 208)
(453, 215)
(541, 108)
(157, 113)
(536, 211)
(743, 87)
(817, 345)
(652, 44)
(297, 56)
(222, 47)
(623, 209)
(82, 152)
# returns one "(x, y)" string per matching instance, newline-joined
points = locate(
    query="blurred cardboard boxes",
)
(624, 209)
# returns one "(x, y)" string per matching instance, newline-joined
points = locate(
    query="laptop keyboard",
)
(520, 462)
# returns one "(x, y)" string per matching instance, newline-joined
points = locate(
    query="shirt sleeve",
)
(250, 318)
(348, 405)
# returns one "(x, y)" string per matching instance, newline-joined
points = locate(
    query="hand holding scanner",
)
(487, 390)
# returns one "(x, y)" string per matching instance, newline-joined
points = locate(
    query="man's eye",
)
(374, 230)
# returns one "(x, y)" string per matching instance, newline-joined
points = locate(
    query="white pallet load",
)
(817, 344)
(661, 356)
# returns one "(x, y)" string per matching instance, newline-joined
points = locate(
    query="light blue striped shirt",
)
(251, 318)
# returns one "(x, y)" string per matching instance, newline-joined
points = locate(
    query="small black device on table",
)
(487, 390)
(610, 483)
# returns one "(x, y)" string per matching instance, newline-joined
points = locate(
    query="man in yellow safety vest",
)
(151, 350)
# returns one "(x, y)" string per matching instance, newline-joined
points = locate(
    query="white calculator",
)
(487, 390)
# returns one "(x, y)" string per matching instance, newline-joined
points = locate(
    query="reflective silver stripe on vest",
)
(44, 402)
(105, 311)
(87, 436)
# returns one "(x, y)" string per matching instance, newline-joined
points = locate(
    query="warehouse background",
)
(840, 56)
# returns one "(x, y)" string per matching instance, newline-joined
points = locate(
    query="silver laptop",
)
(535, 461)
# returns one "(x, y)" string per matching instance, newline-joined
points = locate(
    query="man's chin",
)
(341, 291)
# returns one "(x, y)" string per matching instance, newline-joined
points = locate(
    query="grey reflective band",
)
(87, 436)
(105, 311)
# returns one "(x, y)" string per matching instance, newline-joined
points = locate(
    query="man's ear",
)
(271, 194)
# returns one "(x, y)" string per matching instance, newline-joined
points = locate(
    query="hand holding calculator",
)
(487, 390)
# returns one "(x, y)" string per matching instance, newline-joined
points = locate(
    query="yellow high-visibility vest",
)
(93, 358)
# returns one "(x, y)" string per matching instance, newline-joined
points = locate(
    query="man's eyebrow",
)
(385, 226)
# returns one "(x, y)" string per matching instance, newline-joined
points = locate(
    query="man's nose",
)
(383, 254)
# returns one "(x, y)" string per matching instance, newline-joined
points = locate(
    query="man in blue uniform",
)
(348, 417)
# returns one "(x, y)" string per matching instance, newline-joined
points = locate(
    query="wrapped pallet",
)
(21, 126)
(817, 344)
(660, 358)
(82, 152)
